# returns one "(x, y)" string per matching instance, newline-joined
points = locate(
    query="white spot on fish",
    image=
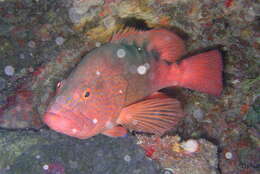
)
(95, 121)
(45, 167)
(120, 53)
(74, 130)
(174, 83)
(141, 70)
(167, 38)
(139, 49)
(127, 158)
(109, 125)
(120, 91)
(98, 73)
(135, 122)
(38, 157)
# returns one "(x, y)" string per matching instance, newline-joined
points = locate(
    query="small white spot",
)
(228, 155)
(31, 44)
(98, 73)
(120, 53)
(45, 167)
(9, 70)
(59, 40)
(167, 38)
(109, 125)
(190, 146)
(141, 70)
(98, 44)
(135, 122)
(8, 167)
(95, 121)
(168, 171)
(236, 81)
(120, 91)
(139, 49)
(74, 130)
(127, 158)
(38, 157)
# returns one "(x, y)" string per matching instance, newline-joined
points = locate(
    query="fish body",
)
(115, 86)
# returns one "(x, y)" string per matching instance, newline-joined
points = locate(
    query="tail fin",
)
(202, 72)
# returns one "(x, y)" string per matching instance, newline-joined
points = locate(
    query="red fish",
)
(115, 86)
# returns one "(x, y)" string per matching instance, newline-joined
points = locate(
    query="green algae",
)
(249, 83)
(253, 116)
(13, 144)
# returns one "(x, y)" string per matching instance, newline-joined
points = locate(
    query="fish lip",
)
(65, 124)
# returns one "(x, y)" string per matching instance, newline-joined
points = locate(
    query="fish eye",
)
(87, 93)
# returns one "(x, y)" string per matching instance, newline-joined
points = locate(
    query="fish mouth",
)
(68, 123)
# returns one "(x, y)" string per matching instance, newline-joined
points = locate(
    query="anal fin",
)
(156, 114)
(116, 131)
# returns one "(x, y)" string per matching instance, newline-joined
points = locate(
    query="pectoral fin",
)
(156, 114)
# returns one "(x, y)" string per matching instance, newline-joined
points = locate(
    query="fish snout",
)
(69, 124)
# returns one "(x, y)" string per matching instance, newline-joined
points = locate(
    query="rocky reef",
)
(42, 41)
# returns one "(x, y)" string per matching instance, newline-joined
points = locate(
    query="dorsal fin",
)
(168, 45)
(130, 27)
(124, 33)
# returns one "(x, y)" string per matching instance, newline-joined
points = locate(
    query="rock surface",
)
(46, 152)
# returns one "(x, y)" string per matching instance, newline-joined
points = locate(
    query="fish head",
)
(89, 100)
